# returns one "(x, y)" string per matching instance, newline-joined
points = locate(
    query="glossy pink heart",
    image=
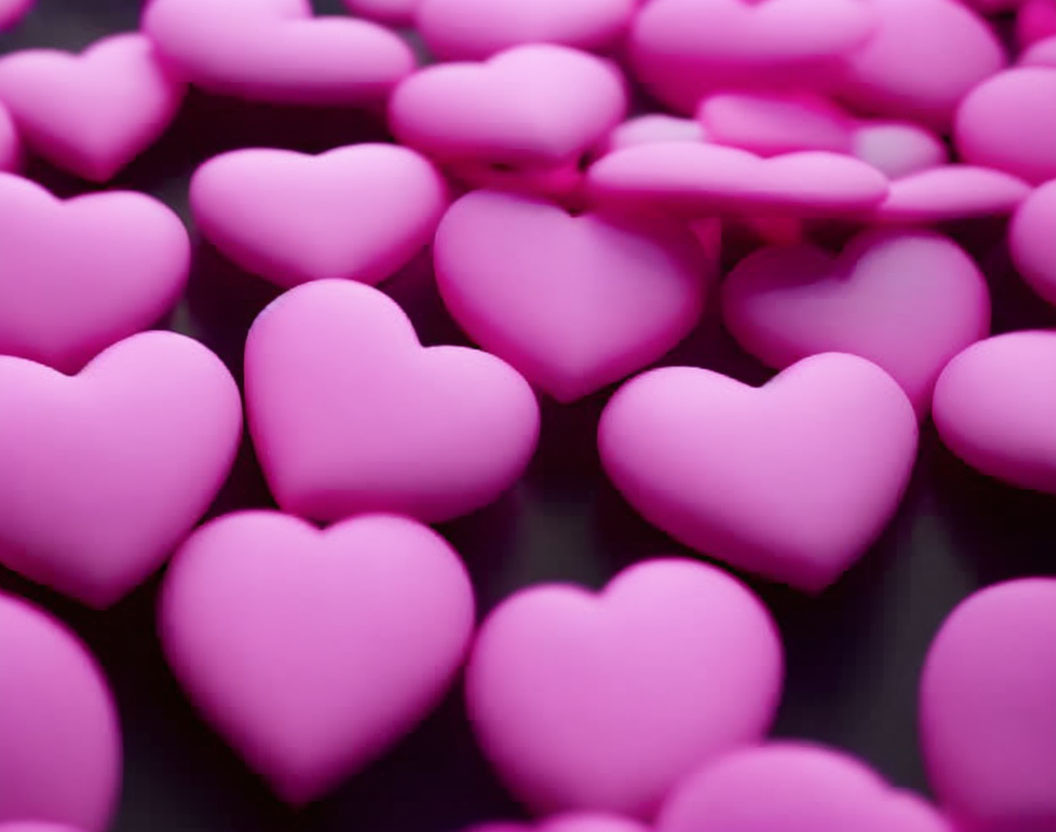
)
(61, 760)
(82, 274)
(12, 11)
(1032, 240)
(105, 472)
(791, 481)
(951, 192)
(314, 651)
(358, 212)
(603, 702)
(570, 822)
(908, 301)
(350, 414)
(92, 113)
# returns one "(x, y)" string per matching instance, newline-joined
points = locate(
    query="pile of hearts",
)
(575, 169)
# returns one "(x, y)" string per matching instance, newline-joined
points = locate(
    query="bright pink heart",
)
(574, 303)
(358, 212)
(603, 702)
(571, 822)
(350, 414)
(988, 727)
(314, 651)
(539, 104)
(793, 787)
(105, 472)
(1032, 241)
(791, 481)
(82, 274)
(908, 301)
(95, 112)
(61, 760)
(12, 11)
(274, 50)
(995, 407)
(951, 192)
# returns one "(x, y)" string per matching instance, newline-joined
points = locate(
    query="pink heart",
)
(951, 192)
(1032, 240)
(314, 651)
(1042, 53)
(1035, 21)
(654, 127)
(274, 50)
(898, 149)
(793, 788)
(908, 301)
(538, 104)
(995, 408)
(602, 702)
(988, 727)
(105, 472)
(574, 303)
(61, 759)
(791, 481)
(572, 822)
(12, 11)
(82, 274)
(350, 414)
(95, 112)
(358, 212)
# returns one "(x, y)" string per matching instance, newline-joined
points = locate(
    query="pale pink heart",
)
(988, 728)
(574, 303)
(274, 50)
(603, 702)
(312, 652)
(792, 481)
(82, 274)
(92, 113)
(538, 104)
(654, 127)
(358, 212)
(1042, 53)
(12, 11)
(995, 405)
(61, 760)
(350, 414)
(1035, 20)
(793, 787)
(569, 822)
(107, 471)
(1032, 241)
(951, 192)
(391, 12)
(898, 149)
(908, 301)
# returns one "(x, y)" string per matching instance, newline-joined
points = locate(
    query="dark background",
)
(853, 654)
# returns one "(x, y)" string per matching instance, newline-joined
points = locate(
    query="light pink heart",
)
(570, 822)
(951, 192)
(897, 148)
(654, 127)
(1032, 240)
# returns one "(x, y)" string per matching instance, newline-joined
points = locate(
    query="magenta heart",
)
(1032, 240)
(908, 301)
(571, 822)
(314, 651)
(105, 472)
(358, 212)
(61, 760)
(95, 112)
(602, 702)
(951, 192)
(574, 303)
(82, 274)
(12, 11)
(792, 480)
(350, 414)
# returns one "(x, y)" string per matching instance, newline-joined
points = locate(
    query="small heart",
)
(571, 822)
(898, 149)
(93, 113)
(82, 274)
(105, 472)
(1032, 241)
(312, 652)
(358, 212)
(792, 481)
(602, 702)
(349, 413)
(61, 760)
(951, 192)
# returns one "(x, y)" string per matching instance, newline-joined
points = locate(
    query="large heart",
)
(603, 702)
(82, 274)
(574, 303)
(105, 472)
(792, 480)
(357, 212)
(350, 414)
(95, 112)
(61, 760)
(908, 301)
(1032, 240)
(313, 651)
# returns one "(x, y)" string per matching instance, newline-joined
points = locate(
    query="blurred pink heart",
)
(1042, 53)
(951, 192)
(1032, 241)
(12, 11)
(1035, 20)
(654, 127)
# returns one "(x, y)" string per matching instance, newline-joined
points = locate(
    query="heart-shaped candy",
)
(314, 651)
(898, 149)
(92, 113)
(1042, 53)
(570, 822)
(105, 472)
(951, 192)
(654, 127)
(61, 760)
(358, 212)
(350, 414)
(603, 702)
(791, 481)
(12, 11)
(1035, 20)
(1032, 241)
(574, 303)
